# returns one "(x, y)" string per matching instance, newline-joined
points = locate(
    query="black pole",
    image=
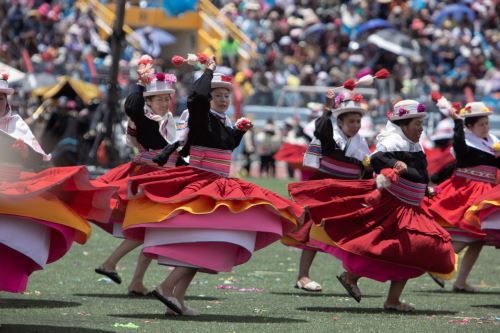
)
(116, 47)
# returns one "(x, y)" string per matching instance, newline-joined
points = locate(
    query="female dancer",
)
(336, 151)
(41, 214)
(197, 218)
(151, 128)
(392, 238)
(477, 165)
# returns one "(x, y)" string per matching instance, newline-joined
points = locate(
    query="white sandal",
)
(309, 286)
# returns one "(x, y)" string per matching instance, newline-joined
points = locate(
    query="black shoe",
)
(112, 275)
(439, 281)
(171, 305)
(349, 289)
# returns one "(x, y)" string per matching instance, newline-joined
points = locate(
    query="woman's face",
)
(350, 123)
(3, 104)
(480, 127)
(160, 104)
(220, 99)
(414, 129)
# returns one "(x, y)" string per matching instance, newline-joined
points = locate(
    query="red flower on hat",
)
(435, 95)
(160, 76)
(456, 105)
(226, 78)
(468, 108)
(177, 60)
(382, 74)
(349, 84)
(145, 59)
(5, 76)
(357, 98)
(389, 114)
(202, 58)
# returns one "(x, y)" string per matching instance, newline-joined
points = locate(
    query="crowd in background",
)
(298, 42)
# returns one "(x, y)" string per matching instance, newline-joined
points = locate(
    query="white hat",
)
(444, 130)
(160, 85)
(406, 109)
(475, 109)
(347, 101)
(220, 80)
(4, 85)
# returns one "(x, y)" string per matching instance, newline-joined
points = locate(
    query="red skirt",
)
(312, 193)
(437, 159)
(485, 215)
(292, 154)
(119, 177)
(455, 196)
(190, 217)
(390, 240)
(41, 215)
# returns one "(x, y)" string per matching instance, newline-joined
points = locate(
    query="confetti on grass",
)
(227, 287)
(128, 325)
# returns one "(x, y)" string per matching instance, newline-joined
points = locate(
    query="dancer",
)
(336, 151)
(41, 214)
(196, 218)
(477, 165)
(384, 234)
(151, 127)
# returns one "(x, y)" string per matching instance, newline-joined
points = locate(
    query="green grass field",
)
(69, 297)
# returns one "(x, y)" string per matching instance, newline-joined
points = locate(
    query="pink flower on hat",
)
(402, 111)
(160, 76)
(5, 76)
(420, 107)
(170, 78)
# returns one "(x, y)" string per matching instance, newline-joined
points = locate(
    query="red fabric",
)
(455, 196)
(373, 197)
(438, 158)
(119, 177)
(492, 195)
(183, 184)
(292, 154)
(390, 230)
(391, 174)
(69, 184)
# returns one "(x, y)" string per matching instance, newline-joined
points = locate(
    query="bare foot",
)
(398, 307)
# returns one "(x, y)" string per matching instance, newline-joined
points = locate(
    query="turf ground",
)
(256, 297)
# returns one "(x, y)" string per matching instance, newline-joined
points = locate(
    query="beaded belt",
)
(481, 173)
(9, 172)
(338, 169)
(210, 159)
(146, 156)
(408, 191)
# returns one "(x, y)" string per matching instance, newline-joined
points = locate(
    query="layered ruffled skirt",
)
(190, 217)
(41, 214)
(484, 216)
(455, 196)
(389, 240)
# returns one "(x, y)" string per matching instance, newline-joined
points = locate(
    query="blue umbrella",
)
(178, 7)
(373, 24)
(456, 11)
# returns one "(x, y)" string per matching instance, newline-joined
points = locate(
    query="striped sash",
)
(338, 169)
(481, 173)
(146, 156)
(210, 159)
(408, 191)
(9, 172)
(312, 155)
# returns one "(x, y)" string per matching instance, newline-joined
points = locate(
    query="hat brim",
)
(338, 112)
(478, 114)
(225, 85)
(158, 92)
(441, 137)
(409, 116)
(8, 91)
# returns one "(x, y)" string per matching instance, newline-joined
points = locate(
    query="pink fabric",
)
(371, 268)
(15, 268)
(258, 218)
(211, 257)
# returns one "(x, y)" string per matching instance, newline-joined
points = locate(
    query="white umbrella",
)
(15, 75)
(397, 43)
